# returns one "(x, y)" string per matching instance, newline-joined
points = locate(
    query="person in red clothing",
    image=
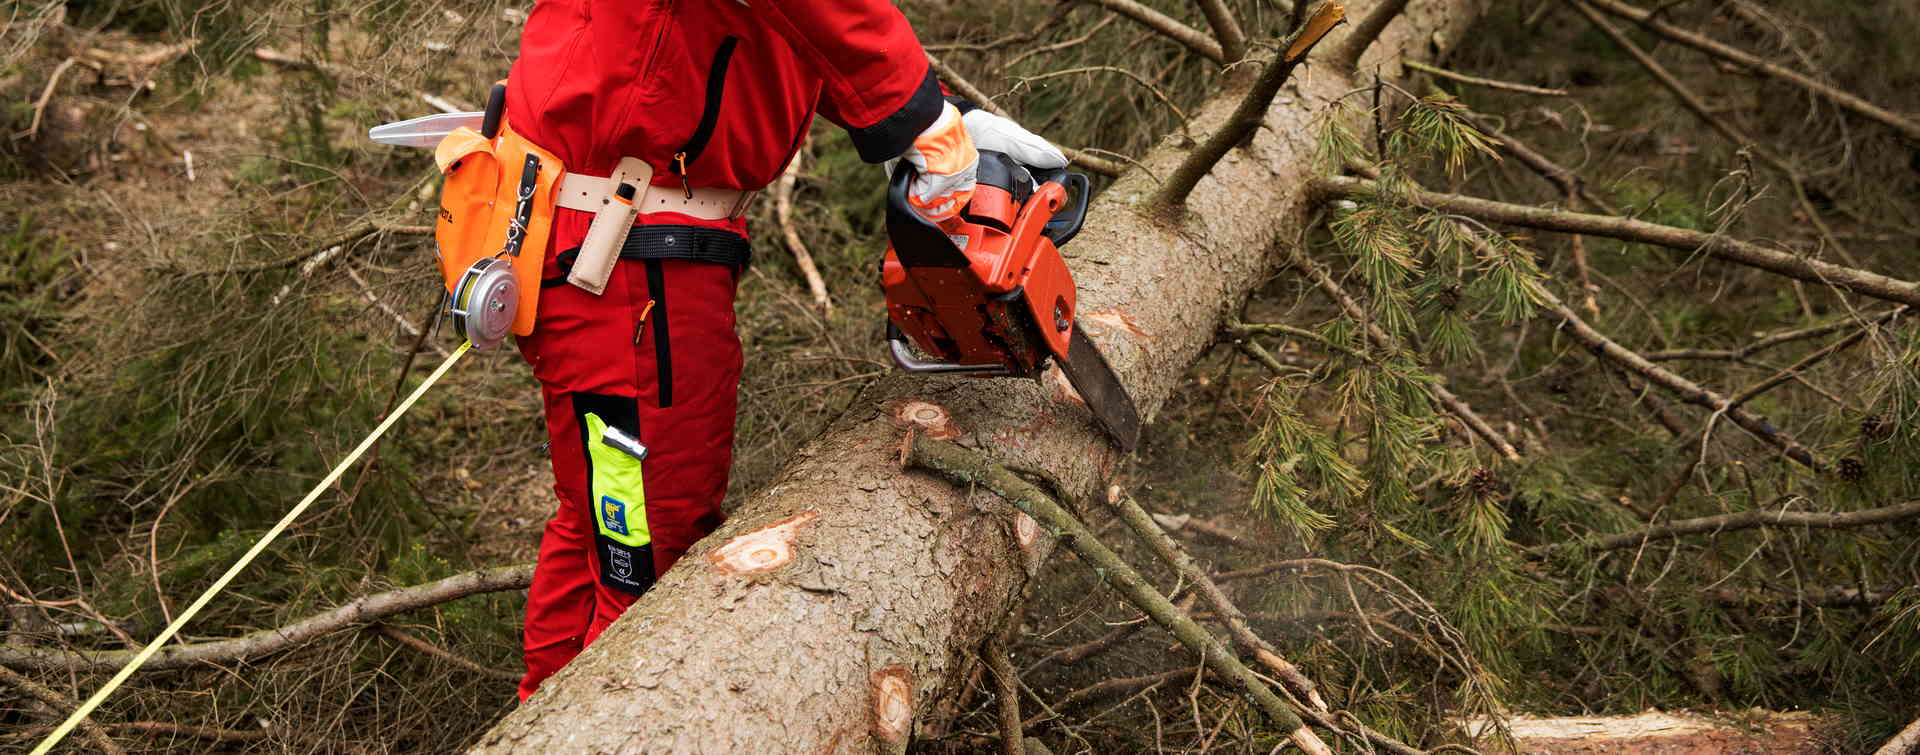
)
(715, 96)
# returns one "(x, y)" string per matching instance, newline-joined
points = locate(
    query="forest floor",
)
(109, 186)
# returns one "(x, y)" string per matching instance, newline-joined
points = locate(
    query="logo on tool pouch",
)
(621, 563)
(613, 515)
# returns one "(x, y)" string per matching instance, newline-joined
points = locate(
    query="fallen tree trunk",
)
(841, 600)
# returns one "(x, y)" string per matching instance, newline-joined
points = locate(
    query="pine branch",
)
(361, 610)
(1721, 247)
(1446, 398)
(1647, 20)
(1192, 38)
(1364, 34)
(1252, 111)
(1744, 520)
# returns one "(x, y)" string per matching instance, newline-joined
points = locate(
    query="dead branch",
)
(353, 233)
(1794, 371)
(1006, 687)
(361, 610)
(1744, 520)
(1192, 38)
(783, 211)
(966, 89)
(1688, 391)
(1252, 110)
(1137, 79)
(1060, 45)
(1627, 229)
(1699, 108)
(1446, 398)
(969, 468)
(1746, 352)
(1368, 30)
(1235, 620)
(1233, 41)
(1906, 126)
(401, 636)
(1481, 82)
(60, 702)
(46, 95)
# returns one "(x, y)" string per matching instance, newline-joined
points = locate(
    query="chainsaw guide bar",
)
(988, 293)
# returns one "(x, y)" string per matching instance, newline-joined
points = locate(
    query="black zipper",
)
(710, 115)
(662, 348)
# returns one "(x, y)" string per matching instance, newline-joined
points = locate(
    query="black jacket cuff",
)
(892, 136)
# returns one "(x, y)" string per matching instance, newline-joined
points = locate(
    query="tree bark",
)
(841, 600)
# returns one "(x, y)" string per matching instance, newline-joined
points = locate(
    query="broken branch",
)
(1252, 110)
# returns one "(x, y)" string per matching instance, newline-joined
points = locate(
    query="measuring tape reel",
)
(484, 302)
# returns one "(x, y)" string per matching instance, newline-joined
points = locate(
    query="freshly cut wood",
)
(895, 578)
(1655, 732)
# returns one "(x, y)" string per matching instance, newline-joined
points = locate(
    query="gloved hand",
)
(947, 156)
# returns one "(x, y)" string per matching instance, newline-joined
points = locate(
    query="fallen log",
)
(842, 599)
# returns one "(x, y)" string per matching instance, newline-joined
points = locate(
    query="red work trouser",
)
(656, 357)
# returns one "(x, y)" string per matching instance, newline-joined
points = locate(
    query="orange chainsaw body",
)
(988, 288)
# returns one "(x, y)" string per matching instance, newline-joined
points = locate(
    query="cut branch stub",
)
(893, 704)
(927, 417)
(762, 550)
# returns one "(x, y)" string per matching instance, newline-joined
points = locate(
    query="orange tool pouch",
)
(498, 200)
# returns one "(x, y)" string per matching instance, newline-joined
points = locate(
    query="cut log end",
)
(762, 550)
(893, 704)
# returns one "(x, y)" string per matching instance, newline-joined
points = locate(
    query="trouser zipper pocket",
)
(662, 341)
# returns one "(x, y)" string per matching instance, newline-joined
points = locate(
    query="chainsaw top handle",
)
(999, 170)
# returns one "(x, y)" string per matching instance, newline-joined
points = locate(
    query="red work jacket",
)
(717, 93)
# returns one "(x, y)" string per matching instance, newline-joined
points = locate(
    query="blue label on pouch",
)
(614, 514)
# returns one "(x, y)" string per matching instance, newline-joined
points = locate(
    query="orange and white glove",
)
(945, 161)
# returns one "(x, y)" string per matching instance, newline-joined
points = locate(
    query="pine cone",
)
(1852, 469)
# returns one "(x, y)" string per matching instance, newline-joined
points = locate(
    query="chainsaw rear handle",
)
(907, 362)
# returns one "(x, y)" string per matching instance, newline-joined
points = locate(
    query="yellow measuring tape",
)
(221, 583)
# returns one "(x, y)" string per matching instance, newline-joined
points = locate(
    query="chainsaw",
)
(988, 294)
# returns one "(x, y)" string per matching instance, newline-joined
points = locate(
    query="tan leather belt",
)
(586, 193)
